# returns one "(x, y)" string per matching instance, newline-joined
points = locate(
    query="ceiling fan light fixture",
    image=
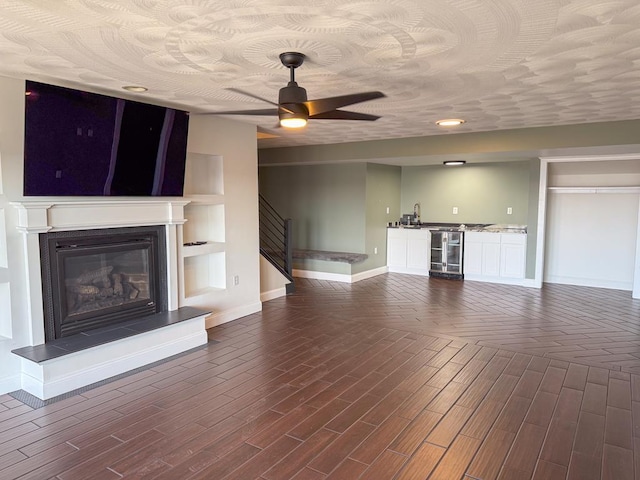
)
(293, 122)
(293, 115)
(450, 122)
(453, 163)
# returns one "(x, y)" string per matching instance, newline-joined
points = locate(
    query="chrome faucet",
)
(416, 213)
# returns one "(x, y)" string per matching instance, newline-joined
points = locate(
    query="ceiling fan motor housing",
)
(292, 100)
(292, 93)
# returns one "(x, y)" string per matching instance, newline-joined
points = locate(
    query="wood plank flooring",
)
(395, 377)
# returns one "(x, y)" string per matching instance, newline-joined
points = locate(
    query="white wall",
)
(236, 143)
(272, 282)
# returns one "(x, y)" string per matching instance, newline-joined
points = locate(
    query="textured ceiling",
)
(496, 63)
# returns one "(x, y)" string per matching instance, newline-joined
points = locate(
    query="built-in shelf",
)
(204, 273)
(213, 199)
(205, 249)
(205, 223)
(203, 174)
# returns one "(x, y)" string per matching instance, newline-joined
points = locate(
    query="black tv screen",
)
(85, 144)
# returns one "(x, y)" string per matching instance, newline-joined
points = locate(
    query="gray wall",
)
(482, 192)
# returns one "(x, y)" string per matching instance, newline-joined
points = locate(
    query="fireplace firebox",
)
(98, 278)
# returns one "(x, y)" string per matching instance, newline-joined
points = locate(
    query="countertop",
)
(474, 227)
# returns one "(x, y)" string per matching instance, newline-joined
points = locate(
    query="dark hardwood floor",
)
(395, 377)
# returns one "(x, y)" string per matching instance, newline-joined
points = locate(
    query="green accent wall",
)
(336, 208)
(326, 203)
(482, 192)
(382, 192)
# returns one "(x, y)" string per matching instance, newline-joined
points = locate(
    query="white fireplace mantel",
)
(36, 217)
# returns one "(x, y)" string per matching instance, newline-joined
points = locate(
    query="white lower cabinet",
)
(408, 250)
(495, 257)
(513, 255)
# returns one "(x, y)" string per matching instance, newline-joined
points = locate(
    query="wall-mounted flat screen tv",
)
(85, 144)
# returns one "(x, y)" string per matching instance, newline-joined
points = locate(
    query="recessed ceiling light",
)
(452, 163)
(450, 122)
(135, 88)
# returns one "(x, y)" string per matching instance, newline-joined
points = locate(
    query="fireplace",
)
(98, 278)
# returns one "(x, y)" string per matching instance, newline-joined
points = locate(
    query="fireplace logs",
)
(100, 288)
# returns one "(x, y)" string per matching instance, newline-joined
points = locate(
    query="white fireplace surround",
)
(60, 375)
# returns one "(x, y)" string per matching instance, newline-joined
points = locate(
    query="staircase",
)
(275, 240)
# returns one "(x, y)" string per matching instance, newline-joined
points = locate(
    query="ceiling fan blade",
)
(343, 115)
(263, 111)
(247, 94)
(332, 103)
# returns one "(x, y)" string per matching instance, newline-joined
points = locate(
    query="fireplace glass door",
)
(114, 277)
(98, 280)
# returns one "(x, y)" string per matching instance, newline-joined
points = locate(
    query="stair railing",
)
(276, 239)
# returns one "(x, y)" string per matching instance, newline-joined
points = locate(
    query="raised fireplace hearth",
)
(97, 278)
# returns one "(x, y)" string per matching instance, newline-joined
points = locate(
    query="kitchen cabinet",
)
(408, 250)
(513, 255)
(495, 257)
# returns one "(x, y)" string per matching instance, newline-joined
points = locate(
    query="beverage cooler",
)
(446, 254)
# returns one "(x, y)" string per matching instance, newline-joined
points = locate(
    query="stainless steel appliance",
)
(446, 253)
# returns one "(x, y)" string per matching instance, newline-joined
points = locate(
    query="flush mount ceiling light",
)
(453, 163)
(450, 122)
(135, 88)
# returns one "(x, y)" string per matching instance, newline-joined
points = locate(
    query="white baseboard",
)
(589, 282)
(410, 271)
(218, 318)
(368, 274)
(339, 277)
(60, 375)
(271, 294)
(500, 280)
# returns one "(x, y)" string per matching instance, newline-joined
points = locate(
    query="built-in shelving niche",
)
(204, 274)
(203, 175)
(203, 234)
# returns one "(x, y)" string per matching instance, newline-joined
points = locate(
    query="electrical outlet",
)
(375, 250)
(236, 280)
(387, 210)
(509, 211)
(455, 210)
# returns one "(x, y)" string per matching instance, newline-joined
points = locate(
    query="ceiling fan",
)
(293, 108)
